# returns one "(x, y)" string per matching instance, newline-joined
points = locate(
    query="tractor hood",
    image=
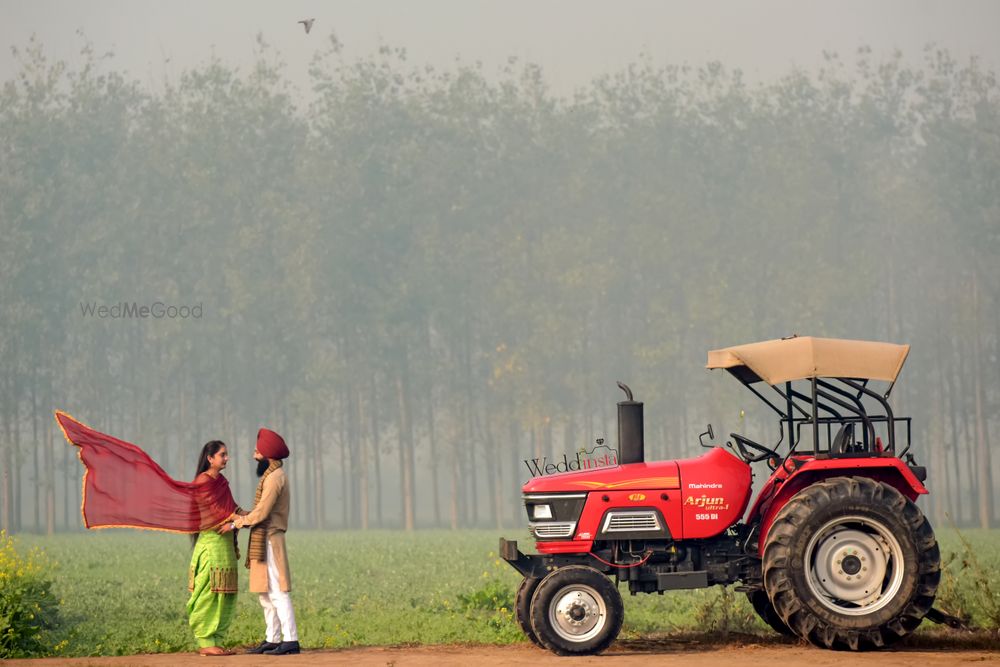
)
(626, 477)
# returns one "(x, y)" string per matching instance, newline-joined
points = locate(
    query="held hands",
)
(227, 527)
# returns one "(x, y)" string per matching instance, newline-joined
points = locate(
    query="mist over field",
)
(423, 261)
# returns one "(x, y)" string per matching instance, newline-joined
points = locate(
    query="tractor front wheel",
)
(851, 563)
(576, 610)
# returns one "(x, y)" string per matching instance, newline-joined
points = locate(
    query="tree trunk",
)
(363, 460)
(36, 479)
(319, 493)
(5, 489)
(50, 483)
(435, 489)
(983, 464)
(469, 446)
(17, 477)
(6, 481)
(411, 457)
(517, 470)
(462, 455)
(494, 475)
(570, 445)
(455, 481)
(547, 434)
(936, 446)
(405, 445)
(476, 433)
(67, 476)
(185, 422)
(236, 456)
(970, 463)
(344, 516)
(376, 447)
(354, 437)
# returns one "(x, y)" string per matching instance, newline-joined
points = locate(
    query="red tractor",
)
(833, 549)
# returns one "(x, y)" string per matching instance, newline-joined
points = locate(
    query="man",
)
(266, 555)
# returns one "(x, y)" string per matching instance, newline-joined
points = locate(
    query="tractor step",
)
(673, 581)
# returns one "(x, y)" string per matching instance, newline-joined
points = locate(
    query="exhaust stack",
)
(631, 444)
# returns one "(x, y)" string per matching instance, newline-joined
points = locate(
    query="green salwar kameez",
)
(213, 583)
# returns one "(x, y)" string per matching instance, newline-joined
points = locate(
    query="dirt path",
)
(665, 653)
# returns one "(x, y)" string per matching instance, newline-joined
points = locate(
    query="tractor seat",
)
(843, 440)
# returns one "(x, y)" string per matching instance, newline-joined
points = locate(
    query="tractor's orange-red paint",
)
(697, 498)
(630, 477)
(785, 482)
(701, 497)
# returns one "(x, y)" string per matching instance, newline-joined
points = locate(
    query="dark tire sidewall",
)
(762, 605)
(852, 507)
(784, 566)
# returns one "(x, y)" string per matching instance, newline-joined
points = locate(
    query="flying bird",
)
(308, 24)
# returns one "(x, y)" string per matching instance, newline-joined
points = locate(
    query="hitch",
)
(938, 616)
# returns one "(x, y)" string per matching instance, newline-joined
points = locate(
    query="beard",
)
(262, 467)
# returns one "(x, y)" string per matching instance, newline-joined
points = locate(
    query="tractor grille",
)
(552, 529)
(627, 522)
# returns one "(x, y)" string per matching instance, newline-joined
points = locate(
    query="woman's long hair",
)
(211, 448)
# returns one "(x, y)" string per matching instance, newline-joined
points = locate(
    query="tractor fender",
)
(784, 484)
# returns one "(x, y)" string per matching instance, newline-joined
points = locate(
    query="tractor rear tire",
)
(522, 607)
(762, 605)
(576, 610)
(851, 564)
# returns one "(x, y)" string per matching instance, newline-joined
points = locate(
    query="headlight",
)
(541, 512)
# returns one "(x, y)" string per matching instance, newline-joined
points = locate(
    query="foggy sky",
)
(573, 40)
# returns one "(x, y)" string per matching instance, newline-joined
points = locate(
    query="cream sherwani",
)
(273, 579)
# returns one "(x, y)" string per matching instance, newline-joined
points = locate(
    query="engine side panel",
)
(666, 502)
(715, 490)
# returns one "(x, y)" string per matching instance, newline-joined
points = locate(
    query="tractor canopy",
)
(822, 385)
(806, 357)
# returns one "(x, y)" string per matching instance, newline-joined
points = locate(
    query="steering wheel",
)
(747, 447)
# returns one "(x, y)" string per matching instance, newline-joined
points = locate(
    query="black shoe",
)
(284, 648)
(262, 647)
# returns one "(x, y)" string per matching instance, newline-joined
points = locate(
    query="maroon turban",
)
(271, 445)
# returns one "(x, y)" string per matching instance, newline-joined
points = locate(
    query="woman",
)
(123, 487)
(212, 577)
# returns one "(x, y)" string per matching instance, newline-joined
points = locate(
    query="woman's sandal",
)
(214, 650)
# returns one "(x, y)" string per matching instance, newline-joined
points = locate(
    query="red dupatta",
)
(124, 488)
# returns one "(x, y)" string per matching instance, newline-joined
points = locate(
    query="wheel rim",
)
(577, 613)
(854, 565)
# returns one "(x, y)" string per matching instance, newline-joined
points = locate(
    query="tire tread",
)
(779, 560)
